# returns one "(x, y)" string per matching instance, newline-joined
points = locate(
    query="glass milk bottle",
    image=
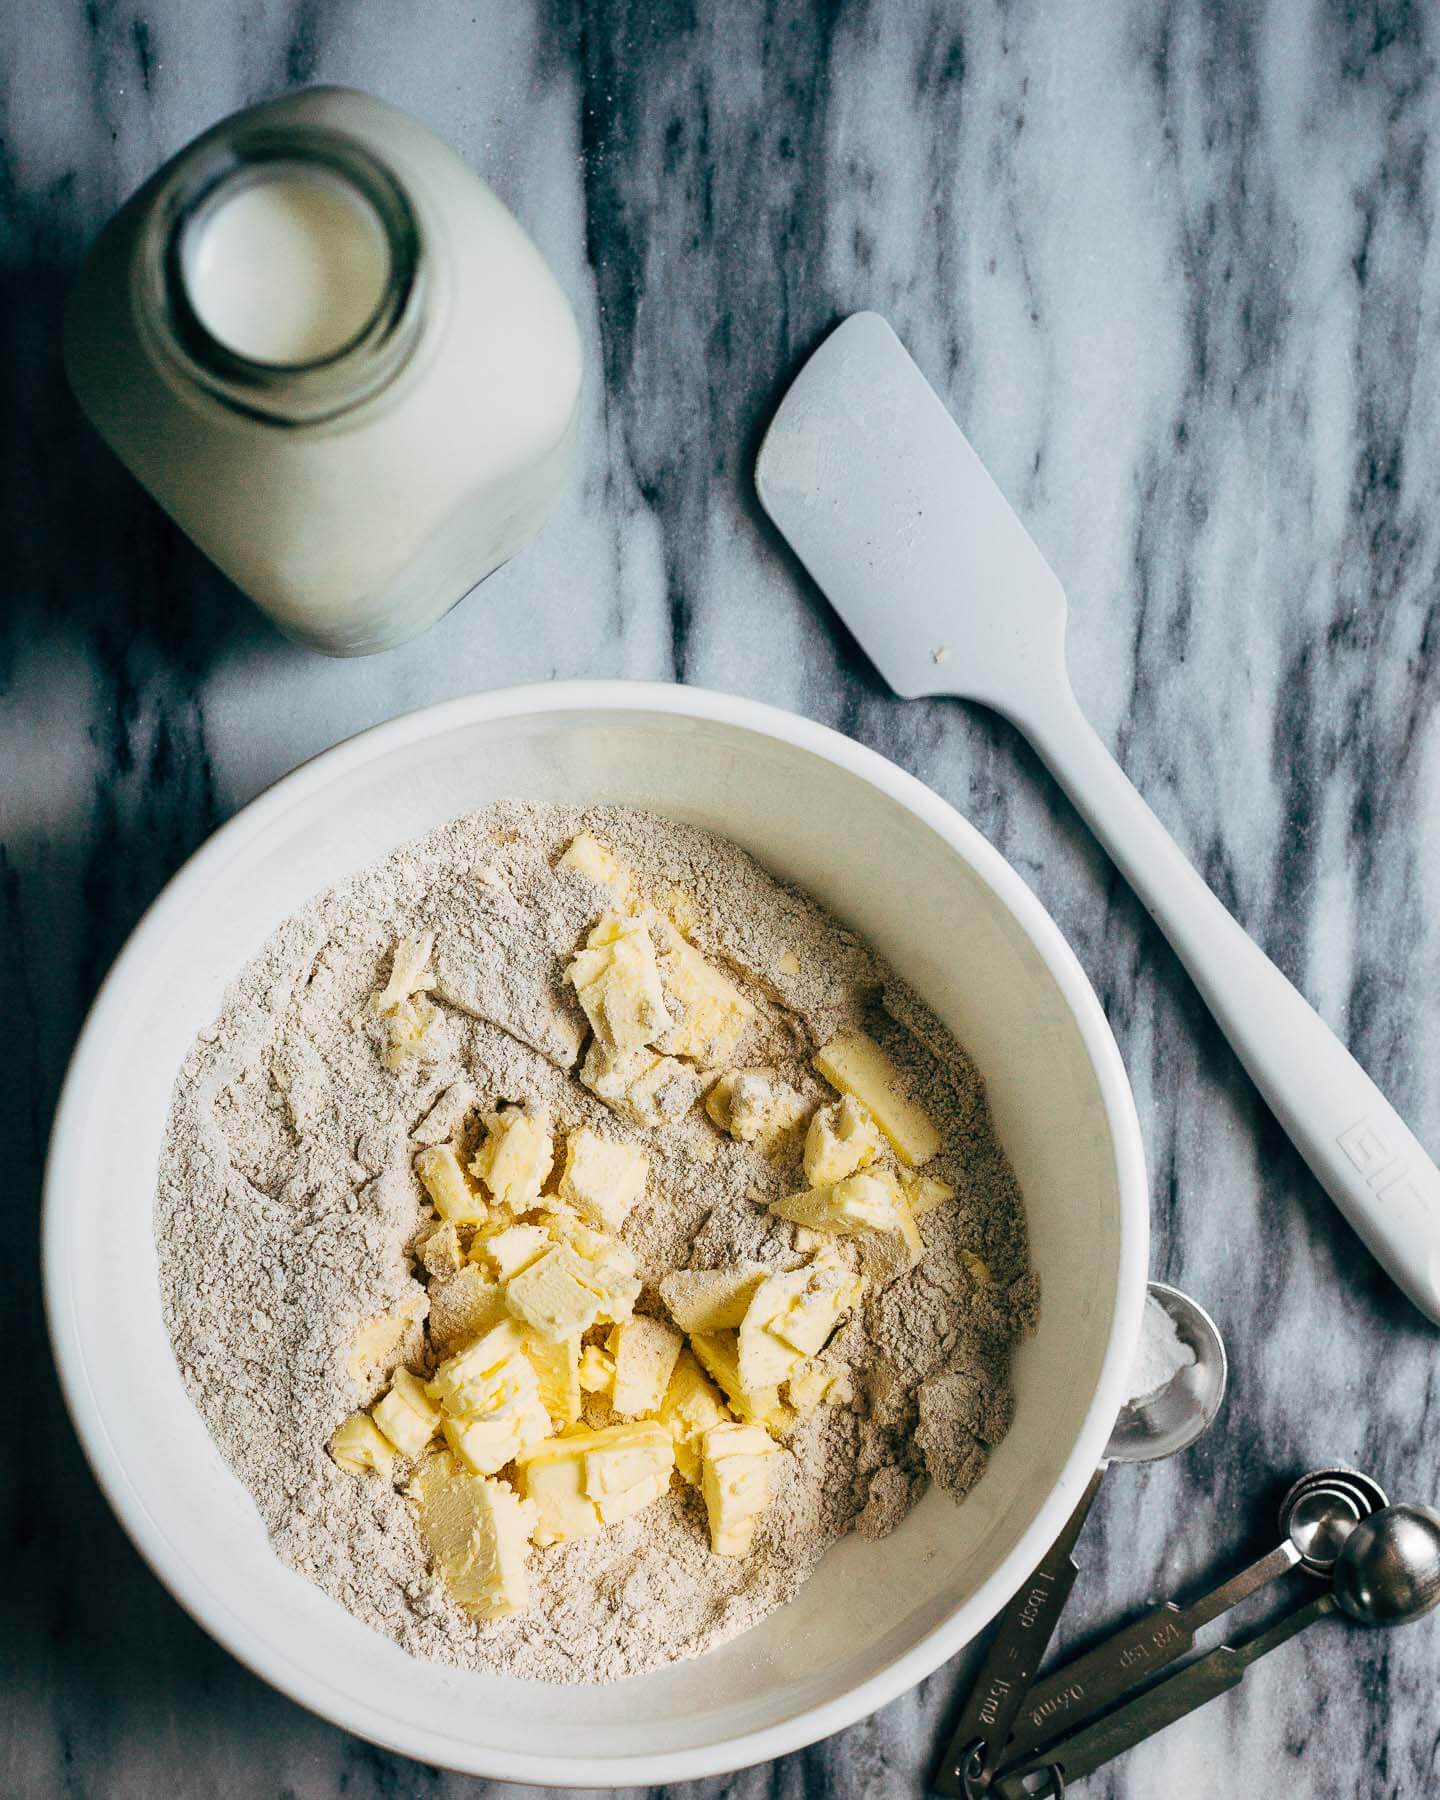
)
(334, 357)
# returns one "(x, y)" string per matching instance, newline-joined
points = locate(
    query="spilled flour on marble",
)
(288, 1211)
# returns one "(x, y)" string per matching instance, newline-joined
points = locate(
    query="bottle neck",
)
(283, 272)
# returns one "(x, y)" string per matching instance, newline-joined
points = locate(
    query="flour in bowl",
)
(567, 1232)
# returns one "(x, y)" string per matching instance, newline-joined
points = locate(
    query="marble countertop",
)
(1174, 268)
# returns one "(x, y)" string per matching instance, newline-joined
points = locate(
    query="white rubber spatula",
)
(891, 511)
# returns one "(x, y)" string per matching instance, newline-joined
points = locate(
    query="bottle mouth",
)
(282, 272)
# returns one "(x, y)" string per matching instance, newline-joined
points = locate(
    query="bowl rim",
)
(438, 1747)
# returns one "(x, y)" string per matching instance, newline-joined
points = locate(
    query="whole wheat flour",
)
(288, 1214)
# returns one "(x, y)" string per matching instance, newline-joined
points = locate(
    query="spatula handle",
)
(1360, 1149)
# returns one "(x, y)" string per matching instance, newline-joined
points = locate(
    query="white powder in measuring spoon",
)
(1162, 1354)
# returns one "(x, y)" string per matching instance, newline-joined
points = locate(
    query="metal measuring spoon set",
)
(1022, 1739)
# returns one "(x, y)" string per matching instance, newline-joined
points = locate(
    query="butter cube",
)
(813, 1384)
(719, 1354)
(711, 1299)
(645, 1351)
(856, 1065)
(753, 1106)
(860, 1204)
(602, 1180)
(464, 1307)
(925, 1193)
(407, 1415)
(482, 1377)
(446, 1183)
(514, 1158)
(792, 1316)
(597, 1370)
(379, 1339)
(414, 1030)
(735, 1480)
(587, 1479)
(617, 982)
(507, 1252)
(840, 1139)
(485, 1443)
(711, 1014)
(557, 1370)
(692, 1404)
(440, 1254)
(789, 963)
(598, 863)
(976, 1267)
(358, 1444)
(551, 1296)
(645, 1088)
(605, 1267)
(630, 1470)
(409, 973)
(477, 1533)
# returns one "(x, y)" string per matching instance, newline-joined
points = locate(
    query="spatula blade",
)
(884, 501)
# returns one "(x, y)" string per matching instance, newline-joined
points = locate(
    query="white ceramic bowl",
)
(932, 896)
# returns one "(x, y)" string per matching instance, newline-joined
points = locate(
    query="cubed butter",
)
(710, 1013)
(856, 1065)
(870, 1202)
(647, 1089)
(602, 1180)
(443, 1174)
(925, 1192)
(645, 1351)
(753, 1106)
(629, 1471)
(692, 1404)
(605, 1266)
(735, 1481)
(793, 1316)
(477, 1532)
(407, 1415)
(506, 1253)
(840, 1139)
(617, 982)
(379, 1338)
(485, 1443)
(557, 1370)
(597, 1370)
(719, 1354)
(414, 1030)
(569, 1479)
(598, 863)
(711, 1299)
(514, 1158)
(409, 973)
(479, 1378)
(552, 1298)
(813, 1383)
(358, 1444)
(440, 1254)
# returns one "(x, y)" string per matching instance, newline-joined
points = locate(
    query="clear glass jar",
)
(336, 360)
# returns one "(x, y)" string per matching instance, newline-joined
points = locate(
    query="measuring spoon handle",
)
(1069, 1698)
(1086, 1750)
(1016, 1651)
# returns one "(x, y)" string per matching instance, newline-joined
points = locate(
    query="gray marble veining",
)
(1176, 269)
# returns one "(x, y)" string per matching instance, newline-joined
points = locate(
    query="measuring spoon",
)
(1317, 1517)
(1149, 1427)
(1387, 1573)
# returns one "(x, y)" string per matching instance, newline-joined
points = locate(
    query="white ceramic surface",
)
(890, 858)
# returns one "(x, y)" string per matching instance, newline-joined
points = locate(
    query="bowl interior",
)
(925, 904)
